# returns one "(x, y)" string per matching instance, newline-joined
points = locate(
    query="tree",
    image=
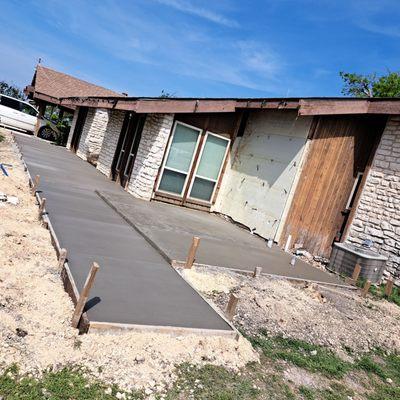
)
(11, 90)
(358, 85)
(166, 95)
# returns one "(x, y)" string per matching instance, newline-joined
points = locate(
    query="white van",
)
(17, 114)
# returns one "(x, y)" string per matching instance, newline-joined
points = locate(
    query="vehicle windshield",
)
(27, 109)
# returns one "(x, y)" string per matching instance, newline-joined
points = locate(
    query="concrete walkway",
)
(171, 228)
(135, 284)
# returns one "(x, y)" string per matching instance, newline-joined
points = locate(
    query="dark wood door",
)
(338, 155)
(80, 122)
(127, 147)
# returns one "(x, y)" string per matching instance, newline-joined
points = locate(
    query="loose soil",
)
(35, 312)
(337, 318)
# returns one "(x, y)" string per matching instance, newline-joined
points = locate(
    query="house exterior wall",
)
(93, 133)
(378, 212)
(262, 168)
(110, 141)
(155, 134)
(71, 131)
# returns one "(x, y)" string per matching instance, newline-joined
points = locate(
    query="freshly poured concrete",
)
(135, 284)
(223, 244)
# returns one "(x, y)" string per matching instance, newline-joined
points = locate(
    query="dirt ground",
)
(334, 317)
(35, 312)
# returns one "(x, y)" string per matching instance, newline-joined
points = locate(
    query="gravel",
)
(35, 312)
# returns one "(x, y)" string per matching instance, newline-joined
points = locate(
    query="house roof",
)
(50, 85)
(304, 106)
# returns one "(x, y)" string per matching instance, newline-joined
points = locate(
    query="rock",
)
(108, 391)
(21, 332)
(313, 352)
(148, 391)
(388, 380)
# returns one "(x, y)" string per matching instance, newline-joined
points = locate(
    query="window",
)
(9, 102)
(27, 109)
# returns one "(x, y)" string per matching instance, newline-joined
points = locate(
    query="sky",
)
(202, 48)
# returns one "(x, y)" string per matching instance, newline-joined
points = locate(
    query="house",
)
(48, 86)
(318, 169)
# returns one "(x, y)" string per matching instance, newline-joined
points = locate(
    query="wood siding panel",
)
(340, 148)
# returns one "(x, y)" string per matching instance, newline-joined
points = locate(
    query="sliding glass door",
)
(180, 159)
(193, 163)
(207, 173)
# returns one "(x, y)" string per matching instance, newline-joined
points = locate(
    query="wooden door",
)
(127, 147)
(338, 154)
(80, 122)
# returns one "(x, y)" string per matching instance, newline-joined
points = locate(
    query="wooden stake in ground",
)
(62, 257)
(257, 272)
(41, 207)
(354, 278)
(84, 295)
(35, 184)
(365, 289)
(388, 287)
(232, 304)
(192, 252)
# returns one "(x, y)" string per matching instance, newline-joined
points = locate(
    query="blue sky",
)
(224, 48)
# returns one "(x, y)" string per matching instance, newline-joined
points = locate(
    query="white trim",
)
(167, 154)
(356, 181)
(208, 133)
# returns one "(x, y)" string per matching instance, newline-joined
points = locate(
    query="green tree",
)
(358, 85)
(11, 90)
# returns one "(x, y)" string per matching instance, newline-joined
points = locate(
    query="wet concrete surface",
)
(171, 229)
(135, 284)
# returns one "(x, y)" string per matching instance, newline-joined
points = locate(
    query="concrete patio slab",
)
(170, 229)
(135, 285)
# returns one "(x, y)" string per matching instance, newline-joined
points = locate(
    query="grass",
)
(302, 354)
(211, 382)
(378, 292)
(377, 372)
(61, 385)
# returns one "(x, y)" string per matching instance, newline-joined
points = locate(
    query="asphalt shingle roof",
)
(57, 84)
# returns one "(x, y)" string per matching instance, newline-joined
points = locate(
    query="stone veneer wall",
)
(71, 131)
(378, 213)
(93, 133)
(114, 127)
(150, 154)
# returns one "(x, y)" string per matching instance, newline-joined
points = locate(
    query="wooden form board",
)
(340, 148)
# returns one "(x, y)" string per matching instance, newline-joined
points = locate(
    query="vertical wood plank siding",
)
(340, 148)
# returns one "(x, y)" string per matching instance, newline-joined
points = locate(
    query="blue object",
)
(4, 169)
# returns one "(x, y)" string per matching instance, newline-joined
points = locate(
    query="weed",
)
(307, 393)
(64, 384)
(1, 138)
(305, 355)
(211, 382)
(378, 292)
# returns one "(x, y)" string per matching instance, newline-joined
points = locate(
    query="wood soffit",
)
(305, 107)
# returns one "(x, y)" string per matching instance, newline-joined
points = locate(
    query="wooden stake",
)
(192, 252)
(354, 278)
(287, 245)
(388, 287)
(365, 289)
(80, 305)
(232, 304)
(35, 184)
(257, 272)
(356, 273)
(62, 257)
(41, 207)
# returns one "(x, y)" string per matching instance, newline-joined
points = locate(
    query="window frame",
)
(163, 166)
(208, 133)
